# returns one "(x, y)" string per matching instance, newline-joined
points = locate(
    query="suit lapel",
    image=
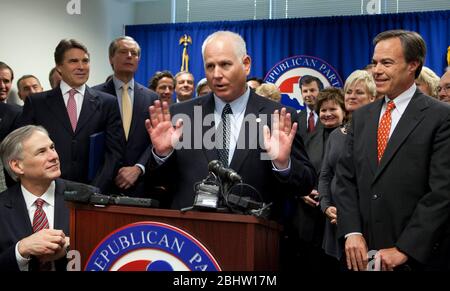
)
(55, 103)
(109, 88)
(138, 107)
(208, 108)
(19, 212)
(371, 136)
(91, 102)
(412, 116)
(252, 110)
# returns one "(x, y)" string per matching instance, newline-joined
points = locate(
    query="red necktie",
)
(72, 108)
(384, 128)
(311, 123)
(40, 222)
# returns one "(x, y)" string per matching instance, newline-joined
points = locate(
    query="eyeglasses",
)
(446, 89)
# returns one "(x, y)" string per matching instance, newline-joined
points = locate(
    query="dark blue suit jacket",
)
(190, 165)
(99, 113)
(15, 223)
(9, 115)
(138, 146)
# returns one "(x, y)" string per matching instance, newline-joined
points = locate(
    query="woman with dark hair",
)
(359, 90)
(308, 219)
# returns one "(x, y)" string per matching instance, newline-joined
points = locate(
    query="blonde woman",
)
(359, 90)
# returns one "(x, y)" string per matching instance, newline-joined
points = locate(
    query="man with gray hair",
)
(443, 89)
(184, 86)
(133, 100)
(232, 106)
(34, 222)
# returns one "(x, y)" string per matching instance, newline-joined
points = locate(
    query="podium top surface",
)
(169, 213)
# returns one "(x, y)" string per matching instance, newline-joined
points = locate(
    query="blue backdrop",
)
(344, 42)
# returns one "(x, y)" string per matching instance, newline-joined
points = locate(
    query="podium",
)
(237, 242)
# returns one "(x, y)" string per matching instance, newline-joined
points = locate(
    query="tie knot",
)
(39, 202)
(72, 92)
(125, 87)
(227, 110)
(390, 106)
(311, 113)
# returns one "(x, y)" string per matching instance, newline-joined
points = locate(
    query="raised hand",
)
(278, 143)
(160, 129)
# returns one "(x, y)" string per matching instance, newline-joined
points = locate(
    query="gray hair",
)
(181, 73)
(11, 147)
(240, 47)
(365, 77)
(115, 45)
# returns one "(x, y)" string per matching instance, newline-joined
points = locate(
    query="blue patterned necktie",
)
(226, 130)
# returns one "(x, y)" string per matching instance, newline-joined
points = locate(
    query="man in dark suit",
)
(72, 112)
(9, 115)
(34, 222)
(310, 87)
(279, 167)
(124, 55)
(184, 86)
(393, 180)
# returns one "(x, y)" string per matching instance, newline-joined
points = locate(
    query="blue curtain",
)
(344, 42)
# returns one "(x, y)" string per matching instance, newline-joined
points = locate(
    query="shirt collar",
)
(308, 111)
(237, 106)
(48, 196)
(119, 83)
(402, 100)
(65, 88)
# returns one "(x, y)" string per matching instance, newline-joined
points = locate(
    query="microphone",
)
(83, 193)
(228, 174)
(79, 192)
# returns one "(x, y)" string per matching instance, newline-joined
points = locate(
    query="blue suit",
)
(138, 146)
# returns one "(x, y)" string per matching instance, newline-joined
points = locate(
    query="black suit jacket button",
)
(374, 197)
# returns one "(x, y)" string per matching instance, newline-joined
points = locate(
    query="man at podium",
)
(276, 166)
(34, 222)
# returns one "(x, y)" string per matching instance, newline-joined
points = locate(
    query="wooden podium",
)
(237, 242)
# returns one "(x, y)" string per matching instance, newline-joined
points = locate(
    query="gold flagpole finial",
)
(448, 56)
(185, 40)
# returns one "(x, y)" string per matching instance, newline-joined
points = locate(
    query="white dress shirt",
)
(308, 112)
(401, 102)
(79, 96)
(49, 209)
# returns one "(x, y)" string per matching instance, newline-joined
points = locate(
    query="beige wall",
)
(31, 29)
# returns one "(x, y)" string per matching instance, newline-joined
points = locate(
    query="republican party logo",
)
(286, 74)
(151, 246)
